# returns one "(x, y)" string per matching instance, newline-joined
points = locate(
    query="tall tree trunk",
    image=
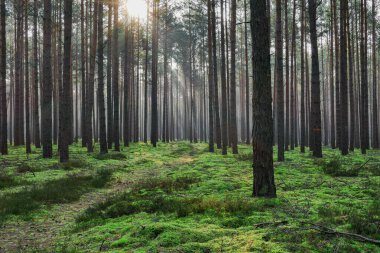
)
(154, 111)
(332, 96)
(343, 78)
(102, 109)
(83, 73)
(364, 124)
(224, 84)
(303, 118)
(279, 83)
(90, 115)
(36, 113)
(287, 84)
(210, 78)
(115, 77)
(215, 79)
(27, 87)
(232, 108)
(293, 81)
(263, 182)
(315, 118)
(19, 98)
(375, 110)
(127, 84)
(247, 87)
(64, 99)
(109, 78)
(146, 76)
(351, 85)
(3, 87)
(337, 78)
(46, 107)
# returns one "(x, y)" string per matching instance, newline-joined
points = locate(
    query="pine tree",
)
(263, 182)
(344, 138)
(100, 93)
(3, 91)
(232, 109)
(279, 82)
(64, 100)
(115, 77)
(46, 104)
(315, 119)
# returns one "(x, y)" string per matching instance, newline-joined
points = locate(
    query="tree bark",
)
(232, 109)
(115, 77)
(315, 119)
(64, 100)
(46, 106)
(263, 182)
(3, 87)
(279, 83)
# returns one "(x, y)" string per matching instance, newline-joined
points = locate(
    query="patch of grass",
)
(101, 177)
(6, 180)
(244, 157)
(368, 221)
(25, 168)
(335, 168)
(165, 184)
(64, 190)
(111, 156)
(374, 169)
(132, 203)
(72, 164)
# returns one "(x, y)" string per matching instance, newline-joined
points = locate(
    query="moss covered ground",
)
(180, 198)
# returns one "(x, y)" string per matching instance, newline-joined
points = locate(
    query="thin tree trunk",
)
(115, 78)
(215, 79)
(375, 111)
(46, 107)
(224, 84)
(27, 87)
(210, 78)
(315, 83)
(279, 83)
(64, 119)
(102, 109)
(232, 107)
(343, 78)
(3, 87)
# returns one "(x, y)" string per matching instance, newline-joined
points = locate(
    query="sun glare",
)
(137, 8)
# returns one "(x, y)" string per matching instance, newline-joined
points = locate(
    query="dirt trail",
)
(41, 235)
(37, 236)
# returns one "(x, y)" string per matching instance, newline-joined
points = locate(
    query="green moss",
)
(180, 198)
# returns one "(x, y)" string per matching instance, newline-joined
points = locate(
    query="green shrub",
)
(374, 169)
(165, 184)
(244, 157)
(111, 156)
(368, 221)
(25, 168)
(101, 177)
(63, 190)
(335, 168)
(72, 164)
(6, 180)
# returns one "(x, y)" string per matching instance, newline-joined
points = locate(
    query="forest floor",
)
(180, 198)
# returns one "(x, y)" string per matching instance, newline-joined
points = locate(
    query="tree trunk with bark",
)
(263, 182)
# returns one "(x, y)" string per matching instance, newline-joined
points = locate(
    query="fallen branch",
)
(364, 164)
(328, 230)
(275, 223)
(322, 229)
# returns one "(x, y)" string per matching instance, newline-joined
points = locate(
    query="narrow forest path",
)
(41, 234)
